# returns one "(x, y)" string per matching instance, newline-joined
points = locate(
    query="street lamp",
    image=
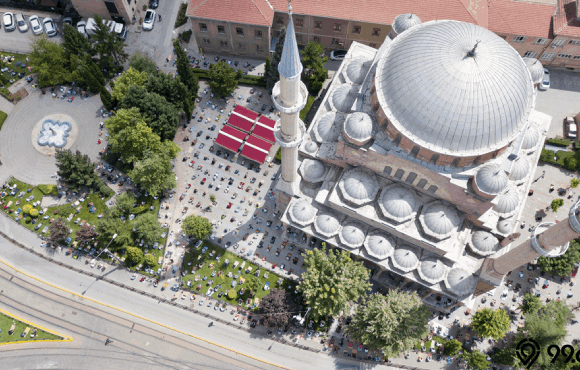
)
(104, 250)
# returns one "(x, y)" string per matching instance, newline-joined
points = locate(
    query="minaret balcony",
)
(282, 106)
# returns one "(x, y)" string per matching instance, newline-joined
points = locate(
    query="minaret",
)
(290, 96)
(548, 239)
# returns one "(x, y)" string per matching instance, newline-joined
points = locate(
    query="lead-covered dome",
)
(531, 137)
(439, 220)
(358, 128)
(358, 186)
(352, 234)
(397, 203)
(405, 259)
(460, 281)
(343, 98)
(520, 168)
(328, 127)
(379, 245)
(327, 224)
(536, 69)
(312, 170)
(491, 179)
(405, 21)
(357, 70)
(310, 147)
(445, 94)
(484, 243)
(504, 226)
(507, 202)
(302, 212)
(432, 270)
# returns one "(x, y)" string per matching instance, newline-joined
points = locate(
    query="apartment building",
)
(111, 8)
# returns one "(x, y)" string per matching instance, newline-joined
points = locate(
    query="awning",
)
(240, 122)
(256, 149)
(230, 138)
(264, 132)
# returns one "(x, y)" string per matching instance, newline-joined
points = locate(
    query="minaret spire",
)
(290, 66)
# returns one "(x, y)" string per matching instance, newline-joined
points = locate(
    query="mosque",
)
(419, 159)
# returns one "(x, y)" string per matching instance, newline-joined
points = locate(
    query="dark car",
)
(273, 239)
(212, 128)
(199, 133)
(153, 4)
(264, 106)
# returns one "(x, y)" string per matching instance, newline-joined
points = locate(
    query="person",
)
(211, 324)
(159, 17)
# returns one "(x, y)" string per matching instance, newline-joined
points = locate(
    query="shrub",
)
(559, 142)
(557, 203)
(547, 156)
(570, 163)
(278, 155)
(181, 18)
(186, 36)
(48, 189)
(574, 183)
(106, 98)
(232, 294)
(34, 212)
(26, 209)
(28, 220)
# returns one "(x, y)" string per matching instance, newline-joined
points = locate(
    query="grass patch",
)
(3, 117)
(12, 65)
(6, 323)
(306, 109)
(428, 344)
(278, 156)
(191, 261)
(181, 18)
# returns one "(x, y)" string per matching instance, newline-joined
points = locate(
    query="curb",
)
(64, 337)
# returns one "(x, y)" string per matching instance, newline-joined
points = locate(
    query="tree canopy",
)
(142, 63)
(109, 47)
(154, 173)
(452, 346)
(185, 72)
(197, 226)
(277, 308)
(134, 254)
(149, 260)
(562, 265)
(332, 280)
(49, 62)
(222, 79)
(476, 360)
(110, 225)
(76, 170)
(125, 80)
(491, 323)
(123, 205)
(58, 230)
(86, 235)
(173, 90)
(313, 60)
(392, 323)
(147, 228)
(531, 303)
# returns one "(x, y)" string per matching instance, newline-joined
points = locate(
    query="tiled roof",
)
(565, 22)
(258, 12)
(521, 18)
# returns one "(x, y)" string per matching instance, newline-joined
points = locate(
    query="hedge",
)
(3, 117)
(278, 155)
(48, 189)
(250, 80)
(138, 210)
(186, 36)
(181, 18)
(559, 142)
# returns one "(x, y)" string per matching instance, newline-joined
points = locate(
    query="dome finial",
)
(289, 7)
(471, 53)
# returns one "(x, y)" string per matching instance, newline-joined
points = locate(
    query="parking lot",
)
(19, 42)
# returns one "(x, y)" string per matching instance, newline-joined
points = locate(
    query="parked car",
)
(338, 54)
(36, 25)
(8, 20)
(149, 20)
(21, 23)
(49, 27)
(82, 28)
(571, 128)
(153, 4)
(545, 84)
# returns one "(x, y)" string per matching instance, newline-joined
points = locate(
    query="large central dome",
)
(449, 98)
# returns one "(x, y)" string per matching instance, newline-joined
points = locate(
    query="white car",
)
(35, 25)
(545, 84)
(8, 20)
(49, 27)
(82, 28)
(338, 54)
(149, 20)
(21, 23)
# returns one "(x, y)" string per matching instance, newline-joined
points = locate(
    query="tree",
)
(147, 228)
(185, 72)
(547, 156)
(222, 79)
(26, 209)
(253, 284)
(86, 235)
(564, 264)
(134, 254)
(143, 63)
(273, 75)
(476, 360)
(49, 62)
(392, 323)
(110, 225)
(505, 356)
(58, 229)
(76, 170)
(154, 173)
(557, 203)
(491, 323)
(452, 346)
(173, 90)
(123, 205)
(267, 66)
(531, 303)
(197, 226)
(107, 99)
(570, 163)
(149, 260)
(212, 198)
(128, 78)
(75, 43)
(314, 73)
(277, 308)
(109, 47)
(332, 279)
(574, 183)
(34, 212)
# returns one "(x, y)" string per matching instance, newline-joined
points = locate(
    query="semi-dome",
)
(405, 21)
(491, 179)
(507, 202)
(352, 234)
(504, 226)
(397, 203)
(379, 245)
(531, 137)
(484, 243)
(405, 259)
(310, 147)
(328, 127)
(439, 220)
(520, 168)
(358, 128)
(343, 97)
(312, 170)
(359, 186)
(460, 282)
(302, 212)
(454, 88)
(536, 69)
(432, 270)
(327, 224)
(357, 70)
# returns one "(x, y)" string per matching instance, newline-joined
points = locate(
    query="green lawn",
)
(428, 343)
(306, 109)
(6, 323)
(191, 261)
(11, 65)
(3, 117)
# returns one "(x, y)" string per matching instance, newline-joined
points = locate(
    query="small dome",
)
(432, 270)
(328, 127)
(531, 137)
(352, 234)
(520, 168)
(343, 97)
(439, 220)
(359, 186)
(504, 226)
(405, 259)
(460, 281)
(536, 69)
(302, 212)
(357, 70)
(484, 243)
(358, 127)
(313, 170)
(310, 147)
(327, 224)
(397, 202)
(507, 202)
(405, 21)
(380, 245)
(491, 179)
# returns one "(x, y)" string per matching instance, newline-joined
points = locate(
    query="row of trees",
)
(77, 171)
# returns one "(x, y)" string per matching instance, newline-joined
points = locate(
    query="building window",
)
(203, 27)
(565, 56)
(258, 34)
(356, 30)
(541, 41)
(299, 22)
(318, 25)
(335, 41)
(519, 39)
(259, 48)
(242, 46)
(548, 56)
(574, 42)
(316, 39)
(206, 41)
(279, 20)
(530, 54)
(298, 38)
(576, 57)
(559, 42)
(239, 31)
(376, 32)
(222, 30)
(224, 44)
(373, 44)
(337, 27)
(111, 7)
